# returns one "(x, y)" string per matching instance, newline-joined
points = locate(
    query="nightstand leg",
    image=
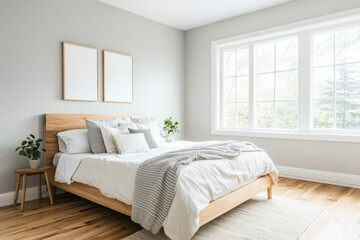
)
(23, 193)
(39, 183)
(48, 187)
(53, 191)
(17, 188)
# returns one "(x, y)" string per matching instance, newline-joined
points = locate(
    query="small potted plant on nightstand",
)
(170, 128)
(30, 148)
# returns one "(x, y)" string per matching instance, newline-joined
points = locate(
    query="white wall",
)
(318, 155)
(31, 33)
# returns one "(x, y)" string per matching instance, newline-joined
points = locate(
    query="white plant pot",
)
(34, 164)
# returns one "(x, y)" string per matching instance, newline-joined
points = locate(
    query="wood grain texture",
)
(48, 186)
(17, 188)
(30, 171)
(73, 217)
(233, 199)
(24, 172)
(23, 193)
(70, 218)
(55, 123)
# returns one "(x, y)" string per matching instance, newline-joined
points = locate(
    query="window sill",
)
(334, 137)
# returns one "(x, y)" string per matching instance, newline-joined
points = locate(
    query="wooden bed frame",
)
(55, 123)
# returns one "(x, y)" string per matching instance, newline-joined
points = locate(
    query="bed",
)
(55, 123)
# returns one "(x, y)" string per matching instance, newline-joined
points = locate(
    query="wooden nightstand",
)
(24, 172)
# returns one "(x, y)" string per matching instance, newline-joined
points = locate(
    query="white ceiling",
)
(188, 14)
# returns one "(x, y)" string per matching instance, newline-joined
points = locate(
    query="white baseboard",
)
(335, 178)
(31, 194)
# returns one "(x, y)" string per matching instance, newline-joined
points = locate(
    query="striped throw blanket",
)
(156, 179)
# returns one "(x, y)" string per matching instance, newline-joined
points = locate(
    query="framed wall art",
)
(80, 72)
(117, 77)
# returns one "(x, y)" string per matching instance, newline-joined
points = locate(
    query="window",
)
(336, 79)
(299, 83)
(236, 87)
(276, 71)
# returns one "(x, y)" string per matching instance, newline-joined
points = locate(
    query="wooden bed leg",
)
(269, 192)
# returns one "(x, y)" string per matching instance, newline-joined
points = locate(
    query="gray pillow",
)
(146, 121)
(148, 136)
(94, 133)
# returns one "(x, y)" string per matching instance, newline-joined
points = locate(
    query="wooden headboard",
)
(55, 123)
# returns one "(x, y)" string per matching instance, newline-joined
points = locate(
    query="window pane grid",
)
(341, 110)
(236, 94)
(273, 110)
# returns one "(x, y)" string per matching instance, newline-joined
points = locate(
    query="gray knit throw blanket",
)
(156, 179)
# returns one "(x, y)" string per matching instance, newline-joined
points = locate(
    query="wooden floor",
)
(74, 218)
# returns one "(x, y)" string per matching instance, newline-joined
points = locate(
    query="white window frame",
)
(304, 30)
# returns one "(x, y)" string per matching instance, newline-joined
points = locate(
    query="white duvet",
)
(199, 183)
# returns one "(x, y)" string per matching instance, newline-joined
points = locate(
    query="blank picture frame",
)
(117, 77)
(80, 72)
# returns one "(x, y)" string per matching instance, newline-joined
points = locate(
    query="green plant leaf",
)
(23, 142)
(32, 135)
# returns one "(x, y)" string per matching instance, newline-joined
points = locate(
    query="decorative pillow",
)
(155, 132)
(148, 136)
(74, 141)
(94, 133)
(131, 143)
(107, 137)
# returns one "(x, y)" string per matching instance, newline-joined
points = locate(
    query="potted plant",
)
(30, 149)
(170, 128)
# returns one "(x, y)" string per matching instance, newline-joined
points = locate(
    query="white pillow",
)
(131, 143)
(155, 132)
(106, 133)
(74, 141)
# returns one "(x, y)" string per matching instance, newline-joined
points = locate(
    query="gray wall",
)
(31, 33)
(327, 156)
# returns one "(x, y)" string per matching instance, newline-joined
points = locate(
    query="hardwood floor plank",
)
(72, 217)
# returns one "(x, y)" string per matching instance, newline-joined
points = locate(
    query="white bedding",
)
(114, 175)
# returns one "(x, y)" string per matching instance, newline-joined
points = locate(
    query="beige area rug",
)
(257, 219)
